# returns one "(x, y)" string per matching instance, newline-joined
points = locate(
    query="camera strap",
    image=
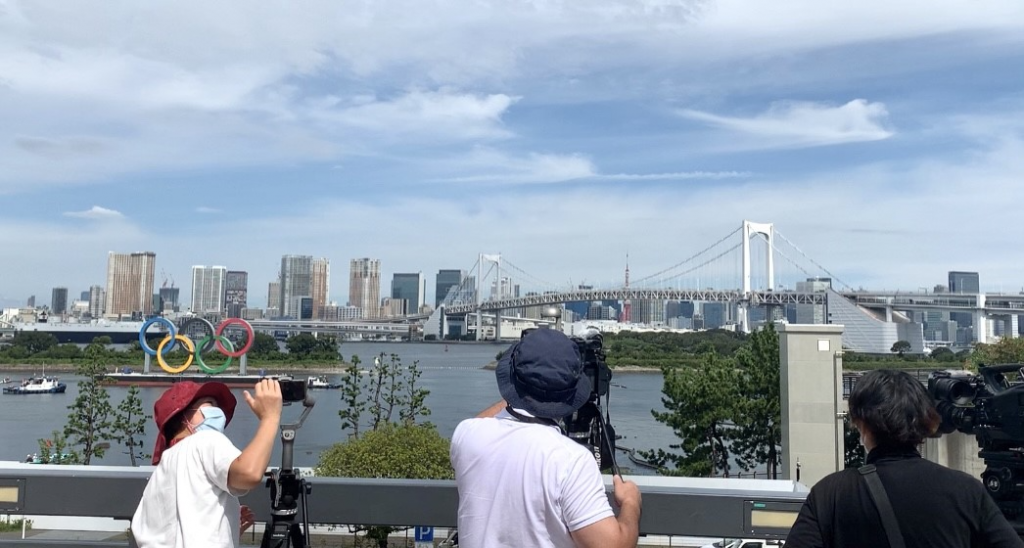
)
(882, 504)
(532, 420)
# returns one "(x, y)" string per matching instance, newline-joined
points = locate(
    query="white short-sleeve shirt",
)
(187, 502)
(523, 484)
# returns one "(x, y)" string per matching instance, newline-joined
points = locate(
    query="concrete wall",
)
(958, 451)
(811, 400)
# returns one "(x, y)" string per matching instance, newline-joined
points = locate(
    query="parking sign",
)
(424, 534)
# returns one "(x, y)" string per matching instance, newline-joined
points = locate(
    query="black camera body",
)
(292, 390)
(991, 408)
(587, 425)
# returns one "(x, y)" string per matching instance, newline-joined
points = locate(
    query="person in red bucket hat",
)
(191, 499)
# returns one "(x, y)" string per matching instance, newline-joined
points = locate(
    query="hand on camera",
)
(267, 402)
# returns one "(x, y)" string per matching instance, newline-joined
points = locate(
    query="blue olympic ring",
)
(172, 331)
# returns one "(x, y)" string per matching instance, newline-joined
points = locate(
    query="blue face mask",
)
(213, 419)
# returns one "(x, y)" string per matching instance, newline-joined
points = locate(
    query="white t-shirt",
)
(187, 502)
(523, 484)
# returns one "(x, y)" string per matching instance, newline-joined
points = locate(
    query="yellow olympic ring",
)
(186, 342)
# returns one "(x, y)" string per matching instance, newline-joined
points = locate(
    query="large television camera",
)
(591, 425)
(989, 406)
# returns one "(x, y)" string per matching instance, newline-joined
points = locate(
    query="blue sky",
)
(886, 141)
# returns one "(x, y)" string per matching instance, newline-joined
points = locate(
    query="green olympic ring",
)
(199, 354)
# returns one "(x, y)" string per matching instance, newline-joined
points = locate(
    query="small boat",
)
(321, 382)
(37, 385)
(5, 380)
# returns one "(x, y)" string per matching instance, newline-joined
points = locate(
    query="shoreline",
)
(34, 369)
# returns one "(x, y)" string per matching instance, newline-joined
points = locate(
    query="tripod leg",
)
(278, 535)
(298, 538)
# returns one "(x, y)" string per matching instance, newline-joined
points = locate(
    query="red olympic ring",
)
(220, 332)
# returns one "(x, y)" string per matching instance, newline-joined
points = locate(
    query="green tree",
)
(900, 347)
(758, 437)
(301, 345)
(699, 404)
(394, 446)
(392, 451)
(265, 347)
(34, 342)
(352, 389)
(89, 422)
(54, 450)
(1005, 350)
(853, 450)
(943, 354)
(129, 427)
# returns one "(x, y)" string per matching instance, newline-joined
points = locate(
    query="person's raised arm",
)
(622, 531)
(248, 470)
(492, 410)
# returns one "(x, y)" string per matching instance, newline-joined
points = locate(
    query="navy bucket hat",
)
(543, 375)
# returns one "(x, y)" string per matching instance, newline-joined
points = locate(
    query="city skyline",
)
(573, 135)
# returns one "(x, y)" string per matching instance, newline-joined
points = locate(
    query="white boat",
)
(37, 385)
(321, 382)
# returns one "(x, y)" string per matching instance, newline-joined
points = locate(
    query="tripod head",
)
(287, 489)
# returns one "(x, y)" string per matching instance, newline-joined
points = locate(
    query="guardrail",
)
(702, 507)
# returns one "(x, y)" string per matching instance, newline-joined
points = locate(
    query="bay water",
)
(454, 374)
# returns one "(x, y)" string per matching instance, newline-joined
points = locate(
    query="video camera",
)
(590, 424)
(991, 407)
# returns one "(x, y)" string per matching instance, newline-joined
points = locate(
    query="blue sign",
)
(424, 534)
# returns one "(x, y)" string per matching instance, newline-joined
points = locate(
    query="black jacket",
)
(936, 507)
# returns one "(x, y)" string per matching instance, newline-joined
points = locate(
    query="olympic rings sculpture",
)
(214, 338)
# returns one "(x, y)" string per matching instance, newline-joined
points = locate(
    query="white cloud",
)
(95, 213)
(487, 165)
(802, 124)
(681, 175)
(207, 209)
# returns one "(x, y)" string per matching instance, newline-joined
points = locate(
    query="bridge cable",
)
(815, 263)
(707, 262)
(543, 283)
(684, 261)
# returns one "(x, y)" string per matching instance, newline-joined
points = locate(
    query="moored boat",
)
(321, 382)
(37, 385)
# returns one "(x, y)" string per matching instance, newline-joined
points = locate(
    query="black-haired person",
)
(191, 500)
(520, 481)
(934, 506)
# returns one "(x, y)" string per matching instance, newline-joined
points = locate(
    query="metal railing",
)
(671, 506)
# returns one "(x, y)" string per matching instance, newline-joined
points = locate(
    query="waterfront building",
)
(364, 286)
(867, 331)
(59, 301)
(274, 295)
(296, 281)
(320, 284)
(412, 287)
(97, 297)
(208, 289)
(236, 293)
(251, 314)
(392, 308)
(446, 279)
(964, 282)
(335, 313)
(169, 299)
(647, 311)
(129, 292)
(31, 302)
(812, 313)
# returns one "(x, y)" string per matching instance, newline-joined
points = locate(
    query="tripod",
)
(287, 491)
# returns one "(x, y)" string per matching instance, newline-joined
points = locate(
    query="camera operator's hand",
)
(626, 492)
(267, 402)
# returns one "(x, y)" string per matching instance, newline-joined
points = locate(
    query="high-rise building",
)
(647, 311)
(274, 296)
(97, 297)
(964, 282)
(170, 299)
(208, 289)
(236, 293)
(679, 309)
(320, 285)
(31, 302)
(715, 315)
(84, 296)
(409, 286)
(296, 281)
(812, 313)
(446, 279)
(364, 286)
(59, 300)
(129, 290)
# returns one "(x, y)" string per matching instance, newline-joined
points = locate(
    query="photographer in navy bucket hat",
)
(522, 482)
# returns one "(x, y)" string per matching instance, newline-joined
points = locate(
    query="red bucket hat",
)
(178, 398)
